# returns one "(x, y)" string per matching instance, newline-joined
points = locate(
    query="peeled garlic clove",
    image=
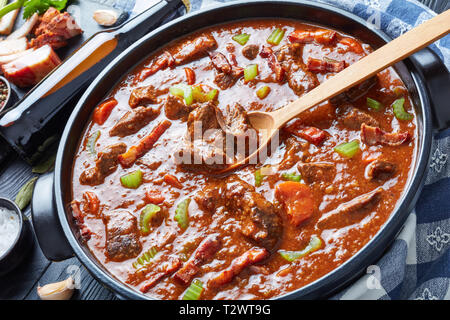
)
(105, 17)
(57, 291)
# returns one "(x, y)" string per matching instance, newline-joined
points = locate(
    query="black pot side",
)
(424, 75)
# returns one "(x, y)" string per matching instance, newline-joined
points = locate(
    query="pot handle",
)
(436, 79)
(46, 224)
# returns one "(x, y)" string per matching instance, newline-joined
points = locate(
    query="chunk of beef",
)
(317, 171)
(374, 135)
(133, 121)
(201, 119)
(279, 71)
(248, 258)
(205, 251)
(143, 96)
(250, 51)
(106, 163)
(235, 122)
(175, 108)
(122, 236)
(259, 219)
(194, 49)
(163, 269)
(211, 197)
(351, 211)
(324, 66)
(355, 92)
(220, 62)
(380, 170)
(203, 156)
(300, 80)
(227, 74)
(354, 118)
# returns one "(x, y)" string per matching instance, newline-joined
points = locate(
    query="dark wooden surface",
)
(36, 269)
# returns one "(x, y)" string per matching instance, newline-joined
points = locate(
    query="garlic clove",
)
(62, 290)
(106, 17)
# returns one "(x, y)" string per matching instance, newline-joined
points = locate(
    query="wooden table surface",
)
(36, 269)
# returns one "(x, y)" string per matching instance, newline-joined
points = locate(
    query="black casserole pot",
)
(424, 74)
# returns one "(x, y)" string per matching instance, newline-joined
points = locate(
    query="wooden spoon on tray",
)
(268, 123)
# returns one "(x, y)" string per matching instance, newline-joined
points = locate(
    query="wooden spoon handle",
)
(392, 52)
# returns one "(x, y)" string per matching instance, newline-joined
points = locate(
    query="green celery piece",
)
(194, 291)
(291, 177)
(276, 37)
(146, 216)
(399, 110)
(314, 244)
(183, 91)
(348, 149)
(250, 72)
(145, 258)
(11, 7)
(241, 38)
(374, 104)
(258, 178)
(182, 214)
(132, 180)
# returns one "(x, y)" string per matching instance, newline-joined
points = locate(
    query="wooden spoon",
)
(268, 123)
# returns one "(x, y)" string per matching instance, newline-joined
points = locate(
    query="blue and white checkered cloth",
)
(417, 265)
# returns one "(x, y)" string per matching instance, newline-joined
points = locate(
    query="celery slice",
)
(399, 110)
(374, 104)
(276, 37)
(194, 291)
(182, 214)
(146, 216)
(291, 177)
(132, 180)
(314, 244)
(241, 38)
(250, 72)
(263, 92)
(348, 149)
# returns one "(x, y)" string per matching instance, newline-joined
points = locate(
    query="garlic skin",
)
(57, 291)
(105, 18)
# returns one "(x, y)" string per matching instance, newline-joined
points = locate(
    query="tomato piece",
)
(297, 200)
(93, 204)
(154, 196)
(312, 134)
(103, 111)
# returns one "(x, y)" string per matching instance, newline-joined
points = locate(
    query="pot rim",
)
(337, 277)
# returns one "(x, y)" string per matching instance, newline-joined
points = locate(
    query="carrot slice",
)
(173, 181)
(103, 111)
(297, 200)
(190, 76)
(128, 158)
